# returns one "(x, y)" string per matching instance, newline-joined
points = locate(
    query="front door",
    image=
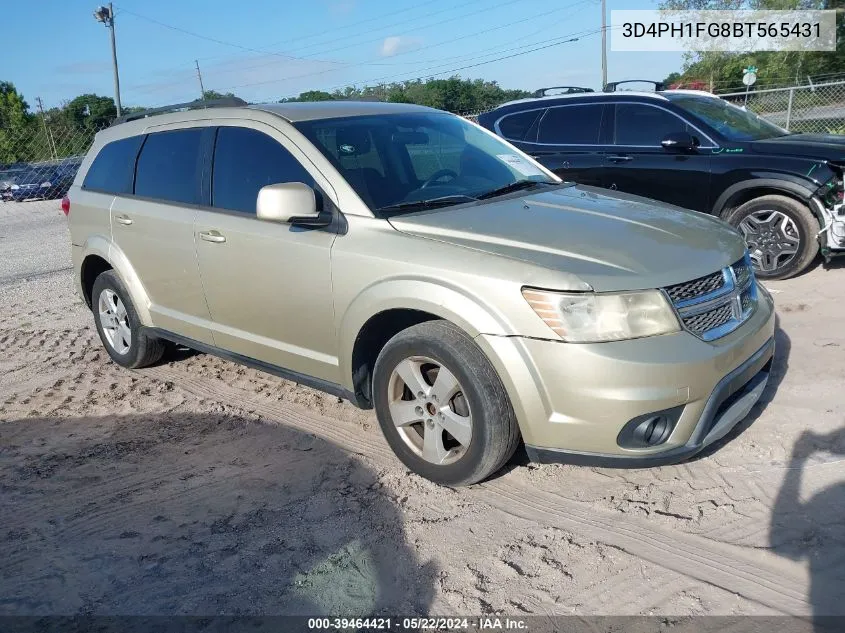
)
(637, 163)
(268, 285)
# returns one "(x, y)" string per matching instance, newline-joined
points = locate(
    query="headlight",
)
(15, 187)
(589, 317)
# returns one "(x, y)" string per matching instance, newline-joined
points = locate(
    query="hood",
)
(610, 241)
(824, 146)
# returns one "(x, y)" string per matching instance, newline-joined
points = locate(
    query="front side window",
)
(114, 167)
(571, 125)
(730, 121)
(643, 125)
(402, 160)
(246, 160)
(169, 167)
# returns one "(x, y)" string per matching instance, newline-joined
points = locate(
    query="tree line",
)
(27, 134)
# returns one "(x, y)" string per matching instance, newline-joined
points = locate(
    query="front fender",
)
(101, 246)
(787, 183)
(426, 295)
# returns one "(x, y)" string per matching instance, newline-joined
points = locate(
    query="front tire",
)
(441, 405)
(118, 324)
(780, 233)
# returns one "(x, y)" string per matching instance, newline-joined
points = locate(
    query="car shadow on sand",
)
(196, 514)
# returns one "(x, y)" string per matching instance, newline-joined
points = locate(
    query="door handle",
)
(620, 158)
(212, 236)
(123, 219)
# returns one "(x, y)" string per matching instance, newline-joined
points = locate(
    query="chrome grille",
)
(700, 324)
(696, 288)
(714, 305)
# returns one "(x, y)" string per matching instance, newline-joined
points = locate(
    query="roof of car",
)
(619, 94)
(312, 110)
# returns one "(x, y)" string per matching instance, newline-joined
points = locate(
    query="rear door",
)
(638, 163)
(568, 142)
(155, 229)
(268, 285)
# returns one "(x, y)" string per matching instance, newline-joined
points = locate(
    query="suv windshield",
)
(732, 122)
(403, 162)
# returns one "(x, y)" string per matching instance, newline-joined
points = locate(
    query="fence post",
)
(789, 108)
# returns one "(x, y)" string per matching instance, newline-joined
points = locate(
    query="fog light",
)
(649, 430)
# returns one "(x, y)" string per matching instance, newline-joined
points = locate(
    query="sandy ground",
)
(201, 487)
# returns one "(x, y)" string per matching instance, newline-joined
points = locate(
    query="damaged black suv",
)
(692, 149)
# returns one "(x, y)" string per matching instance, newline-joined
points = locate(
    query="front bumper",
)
(573, 401)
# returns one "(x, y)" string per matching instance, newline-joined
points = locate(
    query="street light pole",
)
(105, 14)
(603, 44)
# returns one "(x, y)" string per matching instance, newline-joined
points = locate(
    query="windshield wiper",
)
(432, 203)
(514, 186)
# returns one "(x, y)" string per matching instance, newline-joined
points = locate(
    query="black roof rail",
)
(199, 104)
(568, 90)
(611, 87)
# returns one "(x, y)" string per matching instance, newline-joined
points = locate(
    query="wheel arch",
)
(739, 193)
(382, 311)
(99, 255)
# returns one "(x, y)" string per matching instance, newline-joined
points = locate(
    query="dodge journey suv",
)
(413, 262)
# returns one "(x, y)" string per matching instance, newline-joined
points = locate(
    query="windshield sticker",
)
(520, 164)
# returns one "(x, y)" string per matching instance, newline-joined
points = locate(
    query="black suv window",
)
(571, 125)
(246, 160)
(516, 126)
(114, 167)
(645, 125)
(169, 167)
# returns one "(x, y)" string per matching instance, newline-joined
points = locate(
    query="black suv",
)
(692, 149)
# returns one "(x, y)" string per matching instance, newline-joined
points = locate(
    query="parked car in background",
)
(691, 149)
(43, 182)
(9, 175)
(411, 261)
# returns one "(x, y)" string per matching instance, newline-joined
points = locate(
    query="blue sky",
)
(263, 50)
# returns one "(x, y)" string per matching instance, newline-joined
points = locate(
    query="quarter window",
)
(246, 160)
(169, 167)
(571, 125)
(114, 167)
(516, 126)
(644, 125)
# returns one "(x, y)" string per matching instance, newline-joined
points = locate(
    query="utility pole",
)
(603, 43)
(105, 14)
(49, 134)
(199, 76)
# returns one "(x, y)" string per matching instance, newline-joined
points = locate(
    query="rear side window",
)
(645, 125)
(246, 160)
(114, 167)
(516, 126)
(169, 167)
(571, 125)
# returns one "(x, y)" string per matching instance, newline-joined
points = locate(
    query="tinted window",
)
(571, 125)
(638, 124)
(114, 167)
(516, 126)
(169, 167)
(729, 120)
(245, 161)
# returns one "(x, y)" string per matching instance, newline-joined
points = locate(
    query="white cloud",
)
(394, 45)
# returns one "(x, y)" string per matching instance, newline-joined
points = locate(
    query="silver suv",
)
(410, 261)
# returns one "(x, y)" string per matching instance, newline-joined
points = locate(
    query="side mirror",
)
(291, 203)
(682, 141)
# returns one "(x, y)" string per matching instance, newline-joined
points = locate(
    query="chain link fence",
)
(39, 160)
(818, 108)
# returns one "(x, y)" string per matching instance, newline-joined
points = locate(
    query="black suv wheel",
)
(781, 235)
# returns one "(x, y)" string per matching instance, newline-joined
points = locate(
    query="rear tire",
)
(780, 233)
(118, 325)
(467, 399)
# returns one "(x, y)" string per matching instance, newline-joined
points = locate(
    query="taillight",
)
(66, 205)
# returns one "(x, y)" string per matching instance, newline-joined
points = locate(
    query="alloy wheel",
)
(772, 237)
(430, 410)
(114, 321)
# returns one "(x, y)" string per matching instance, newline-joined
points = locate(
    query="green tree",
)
(90, 111)
(208, 95)
(15, 122)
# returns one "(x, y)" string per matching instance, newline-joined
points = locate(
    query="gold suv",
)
(410, 261)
